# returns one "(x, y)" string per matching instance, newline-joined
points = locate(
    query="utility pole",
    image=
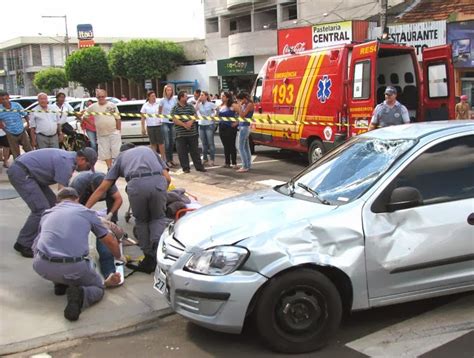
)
(66, 38)
(383, 15)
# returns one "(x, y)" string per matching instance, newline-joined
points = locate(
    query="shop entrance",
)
(238, 83)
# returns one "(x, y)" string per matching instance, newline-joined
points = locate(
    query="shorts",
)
(109, 146)
(4, 141)
(155, 135)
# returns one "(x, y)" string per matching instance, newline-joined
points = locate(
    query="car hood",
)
(231, 220)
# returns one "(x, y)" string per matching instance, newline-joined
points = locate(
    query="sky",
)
(133, 18)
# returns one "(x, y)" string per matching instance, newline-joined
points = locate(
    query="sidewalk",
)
(31, 316)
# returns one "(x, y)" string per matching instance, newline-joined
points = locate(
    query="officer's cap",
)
(390, 90)
(67, 193)
(90, 155)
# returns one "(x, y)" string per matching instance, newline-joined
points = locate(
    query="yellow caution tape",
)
(195, 118)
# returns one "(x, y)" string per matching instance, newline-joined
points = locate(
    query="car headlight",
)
(217, 261)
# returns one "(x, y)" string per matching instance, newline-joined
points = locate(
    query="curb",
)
(73, 337)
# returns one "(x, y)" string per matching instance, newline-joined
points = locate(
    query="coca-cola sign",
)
(297, 48)
(294, 40)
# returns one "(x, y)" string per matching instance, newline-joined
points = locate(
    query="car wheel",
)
(298, 312)
(316, 151)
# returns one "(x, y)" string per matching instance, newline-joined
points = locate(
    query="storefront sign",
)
(85, 35)
(236, 66)
(419, 35)
(461, 36)
(294, 40)
(334, 33)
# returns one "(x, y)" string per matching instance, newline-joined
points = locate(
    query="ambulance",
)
(312, 101)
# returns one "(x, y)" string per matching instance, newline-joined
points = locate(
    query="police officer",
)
(147, 181)
(85, 184)
(32, 173)
(61, 249)
(390, 112)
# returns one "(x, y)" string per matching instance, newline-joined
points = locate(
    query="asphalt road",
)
(175, 337)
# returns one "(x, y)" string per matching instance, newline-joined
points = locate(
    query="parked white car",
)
(131, 126)
(385, 218)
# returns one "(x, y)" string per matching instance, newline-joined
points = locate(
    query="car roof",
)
(138, 101)
(419, 130)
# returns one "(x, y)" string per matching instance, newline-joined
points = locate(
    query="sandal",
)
(242, 170)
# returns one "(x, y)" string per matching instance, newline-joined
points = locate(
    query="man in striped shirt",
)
(186, 134)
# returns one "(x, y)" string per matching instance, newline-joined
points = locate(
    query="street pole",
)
(66, 40)
(383, 14)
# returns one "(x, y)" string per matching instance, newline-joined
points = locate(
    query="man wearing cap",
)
(147, 181)
(32, 173)
(61, 249)
(462, 108)
(390, 112)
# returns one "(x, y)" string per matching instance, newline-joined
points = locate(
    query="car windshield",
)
(347, 172)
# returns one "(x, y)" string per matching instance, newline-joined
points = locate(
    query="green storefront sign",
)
(236, 66)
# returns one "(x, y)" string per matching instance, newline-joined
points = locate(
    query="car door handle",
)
(133, 124)
(470, 219)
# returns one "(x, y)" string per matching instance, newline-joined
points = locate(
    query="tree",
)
(50, 79)
(89, 67)
(145, 59)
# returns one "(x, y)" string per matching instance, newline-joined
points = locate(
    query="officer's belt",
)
(61, 260)
(140, 175)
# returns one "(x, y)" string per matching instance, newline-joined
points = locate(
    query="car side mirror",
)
(403, 198)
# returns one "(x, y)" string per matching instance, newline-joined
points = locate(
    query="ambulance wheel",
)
(316, 151)
(298, 311)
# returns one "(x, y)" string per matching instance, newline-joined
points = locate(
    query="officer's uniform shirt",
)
(385, 116)
(49, 165)
(138, 160)
(64, 230)
(86, 183)
(44, 123)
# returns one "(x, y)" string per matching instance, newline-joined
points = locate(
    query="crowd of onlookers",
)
(43, 127)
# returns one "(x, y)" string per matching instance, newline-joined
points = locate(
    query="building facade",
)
(242, 34)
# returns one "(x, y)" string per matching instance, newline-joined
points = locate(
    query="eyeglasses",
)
(101, 97)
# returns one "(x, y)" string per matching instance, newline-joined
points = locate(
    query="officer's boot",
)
(75, 299)
(147, 265)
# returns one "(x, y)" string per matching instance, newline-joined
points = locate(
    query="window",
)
(212, 25)
(233, 25)
(444, 172)
(361, 89)
(437, 81)
(257, 97)
(130, 108)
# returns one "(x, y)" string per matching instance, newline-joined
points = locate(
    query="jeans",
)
(206, 133)
(92, 138)
(244, 147)
(168, 131)
(106, 259)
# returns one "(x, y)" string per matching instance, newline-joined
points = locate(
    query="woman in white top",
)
(204, 107)
(166, 105)
(153, 124)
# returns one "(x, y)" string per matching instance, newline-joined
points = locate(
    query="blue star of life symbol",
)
(324, 89)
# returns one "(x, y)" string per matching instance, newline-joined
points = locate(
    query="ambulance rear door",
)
(264, 111)
(438, 83)
(362, 99)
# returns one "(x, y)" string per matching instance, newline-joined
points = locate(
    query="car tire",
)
(298, 311)
(316, 151)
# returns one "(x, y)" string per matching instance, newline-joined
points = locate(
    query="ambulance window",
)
(437, 81)
(258, 91)
(361, 89)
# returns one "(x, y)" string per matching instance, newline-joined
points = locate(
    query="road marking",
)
(271, 182)
(421, 334)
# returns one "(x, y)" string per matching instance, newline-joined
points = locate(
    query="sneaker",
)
(75, 299)
(147, 265)
(173, 164)
(23, 250)
(226, 166)
(187, 170)
(60, 289)
(170, 164)
(235, 166)
(201, 170)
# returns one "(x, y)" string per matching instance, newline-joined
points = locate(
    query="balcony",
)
(236, 4)
(253, 43)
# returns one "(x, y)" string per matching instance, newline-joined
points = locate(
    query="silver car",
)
(385, 218)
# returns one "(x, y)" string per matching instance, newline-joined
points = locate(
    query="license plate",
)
(160, 285)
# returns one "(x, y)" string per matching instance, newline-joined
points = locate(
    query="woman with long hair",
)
(153, 124)
(228, 130)
(168, 130)
(204, 107)
(246, 109)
